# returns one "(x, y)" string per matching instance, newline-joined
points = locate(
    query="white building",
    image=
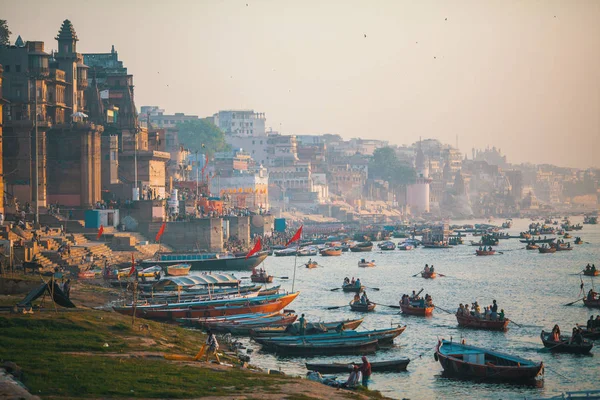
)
(243, 188)
(240, 122)
(256, 146)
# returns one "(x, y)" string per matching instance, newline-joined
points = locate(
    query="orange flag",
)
(255, 249)
(132, 270)
(296, 236)
(160, 231)
(100, 232)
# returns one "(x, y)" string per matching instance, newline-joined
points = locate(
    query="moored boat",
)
(209, 261)
(311, 328)
(309, 251)
(405, 246)
(334, 346)
(464, 361)
(565, 345)
(361, 247)
(480, 323)
(361, 307)
(289, 252)
(331, 251)
(386, 246)
(383, 336)
(436, 246)
(178, 269)
(376, 366)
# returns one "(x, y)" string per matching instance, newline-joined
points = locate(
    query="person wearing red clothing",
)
(365, 369)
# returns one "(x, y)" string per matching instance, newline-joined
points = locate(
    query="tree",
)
(202, 136)
(385, 166)
(4, 33)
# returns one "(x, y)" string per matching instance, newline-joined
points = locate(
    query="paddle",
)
(442, 275)
(417, 273)
(385, 305)
(334, 289)
(336, 307)
(372, 288)
(281, 277)
(573, 302)
(444, 310)
(513, 322)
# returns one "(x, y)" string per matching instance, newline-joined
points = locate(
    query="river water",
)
(532, 288)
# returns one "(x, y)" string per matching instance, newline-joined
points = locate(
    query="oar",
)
(444, 310)
(442, 275)
(573, 302)
(511, 321)
(334, 289)
(336, 307)
(372, 288)
(417, 274)
(385, 305)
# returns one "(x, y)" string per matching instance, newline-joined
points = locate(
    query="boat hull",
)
(418, 311)
(477, 323)
(325, 348)
(592, 303)
(362, 307)
(216, 264)
(565, 346)
(352, 288)
(429, 275)
(591, 273)
(485, 252)
(378, 366)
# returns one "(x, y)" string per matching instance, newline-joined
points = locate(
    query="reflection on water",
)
(532, 288)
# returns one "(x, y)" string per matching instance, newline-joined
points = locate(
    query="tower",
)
(66, 57)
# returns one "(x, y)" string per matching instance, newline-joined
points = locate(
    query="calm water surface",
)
(532, 288)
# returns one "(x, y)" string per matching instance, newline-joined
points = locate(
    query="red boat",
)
(485, 252)
(419, 311)
(478, 323)
(428, 275)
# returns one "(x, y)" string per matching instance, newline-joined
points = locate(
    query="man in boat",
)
(588, 268)
(365, 370)
(364, 299)
(593, 269)
(591, 295)
(428, 300)
(490, 248)
(340, 328)
(302, 323)
(590, 323)
(352, 281)
(346, 280)
(426, 270)
(356, 298)
(461, 310)
(577, 337)
(501, 315)
(414, 296)
(556, 334)
(431, 269)
(357, 283)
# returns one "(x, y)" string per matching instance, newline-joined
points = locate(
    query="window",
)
(17, 68)
(7, 68)
(253, 142)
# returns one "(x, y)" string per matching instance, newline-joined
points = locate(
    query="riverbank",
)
(91, 353)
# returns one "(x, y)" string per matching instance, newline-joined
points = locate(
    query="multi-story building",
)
(158, 118)
(240, 122)
(68, 144)
(282, 150)
(1, 170)
(417, 194)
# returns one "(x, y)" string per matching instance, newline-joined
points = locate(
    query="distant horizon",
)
(521, 76)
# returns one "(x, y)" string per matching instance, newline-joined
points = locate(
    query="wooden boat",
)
(244, 327)
(532, 246)
(352, 288)
(360, 307)
(362, 247)
(464, 361)
(567, 236)
(589, 272)
(405, 246)
(563, 247)
(436, 246)
(386, 246)
(578, 241)
(178, 269)
(479, 323)
(485, 252)
(382, 336)
(261, 276)
(547, 250)
(239, 317)
(428, 275)
(376, 366)
(285, 252)
(311, 264)
(594, 303)
(86, 275)
(349, 325)
(416, 310)
(366, 264)
(331, 251)
(564, 346)
(310, 251)
(539, 240)
(344, 346)
(593, 334)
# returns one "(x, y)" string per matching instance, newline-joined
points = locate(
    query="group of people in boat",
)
(361, 299)
(359, 375)
(576, 336)
(415, 300)
(354, 282)
(260, 272)
(484, 249)
(593, 324)
(428, 269)
(490, 313)
(561, 241)
(592, 295)
(590, 268)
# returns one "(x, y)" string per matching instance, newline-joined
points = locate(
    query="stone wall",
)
(200, 234)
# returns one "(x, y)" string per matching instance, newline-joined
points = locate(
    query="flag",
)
(160, 231)
(255, 249)
(132, 270)
(100, 232)
(296, 236)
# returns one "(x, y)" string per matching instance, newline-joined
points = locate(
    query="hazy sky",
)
(521, 75)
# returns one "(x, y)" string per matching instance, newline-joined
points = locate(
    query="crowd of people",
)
(351, 282)
(361, 299)
(428, 269)
(489, 312)
(590, 268)
(576, 335)
(593, 324)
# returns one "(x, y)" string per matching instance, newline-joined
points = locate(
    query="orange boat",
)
(479, 323)
(178, 269)
(485, 252)
(419, 311)
(174, 313)
(331, 251)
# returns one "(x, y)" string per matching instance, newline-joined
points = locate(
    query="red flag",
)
(255, 249)
(132, 270)
(100, 232)
(160, 231)
(296, 236)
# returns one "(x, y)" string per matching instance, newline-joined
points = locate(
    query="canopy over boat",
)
(197, 280)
